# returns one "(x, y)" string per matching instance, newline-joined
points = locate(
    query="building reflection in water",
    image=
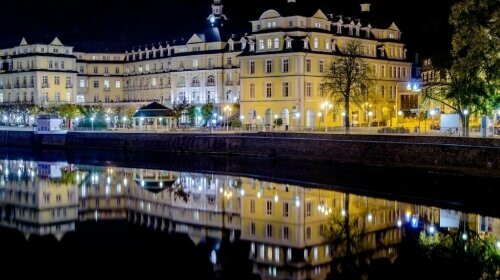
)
(284, 225)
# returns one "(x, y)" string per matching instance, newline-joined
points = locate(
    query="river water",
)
(235, 218)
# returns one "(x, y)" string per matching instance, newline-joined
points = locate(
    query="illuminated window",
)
(308, 65)
(276, 43)
(316, 42)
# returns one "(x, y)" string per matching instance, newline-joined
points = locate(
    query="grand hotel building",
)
(276, 70)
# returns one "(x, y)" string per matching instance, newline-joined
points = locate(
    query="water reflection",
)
(292, 232)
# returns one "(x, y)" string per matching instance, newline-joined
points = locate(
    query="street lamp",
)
(320, 118)
(276, 122)
(370, 114)
(124, 121)
(325, 107)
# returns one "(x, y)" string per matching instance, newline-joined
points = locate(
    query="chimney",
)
(365, 7)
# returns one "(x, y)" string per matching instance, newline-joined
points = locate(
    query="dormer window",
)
(391, 35)
(231, 46)
(327, 44)
(357, 31)
(316, 43)
(350, 30)
(289, 44)
(317, 25)
(276, 43)
(306, 44)
(269, 43)
(252, 47)
(339, 29)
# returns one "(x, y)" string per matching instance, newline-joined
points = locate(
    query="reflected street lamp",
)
(92, 121)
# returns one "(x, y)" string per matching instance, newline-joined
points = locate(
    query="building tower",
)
(217, 17)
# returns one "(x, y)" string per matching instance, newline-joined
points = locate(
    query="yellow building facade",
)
(284, 68)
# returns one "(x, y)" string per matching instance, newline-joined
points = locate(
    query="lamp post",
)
(325, 107)
(370, 114)
(320, 119)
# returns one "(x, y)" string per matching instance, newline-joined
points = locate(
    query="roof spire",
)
(217, 17)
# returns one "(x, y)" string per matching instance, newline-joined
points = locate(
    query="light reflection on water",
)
(284, 225)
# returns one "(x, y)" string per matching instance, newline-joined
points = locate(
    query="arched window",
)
(211, 81)
(195, 82)
(181, 82)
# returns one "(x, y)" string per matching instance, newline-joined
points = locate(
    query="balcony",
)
(210, 84)
(16, 85)
(229, 83)
(195, 84)
(24, 85)
(70, 85)
(31, 85)
(107, 88)
(45, 85)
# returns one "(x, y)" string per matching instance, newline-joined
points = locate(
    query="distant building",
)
(47, 123)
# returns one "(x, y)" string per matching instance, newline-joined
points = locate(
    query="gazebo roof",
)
(154, 110)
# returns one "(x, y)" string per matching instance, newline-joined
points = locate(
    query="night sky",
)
(94, 24)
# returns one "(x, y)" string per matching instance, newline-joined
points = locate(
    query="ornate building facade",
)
(275, 71)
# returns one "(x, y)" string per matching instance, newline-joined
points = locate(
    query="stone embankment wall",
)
(438, 152)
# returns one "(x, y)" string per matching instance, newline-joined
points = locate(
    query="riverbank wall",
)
(480, 154)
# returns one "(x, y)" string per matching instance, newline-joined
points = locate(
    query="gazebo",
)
(154, 116)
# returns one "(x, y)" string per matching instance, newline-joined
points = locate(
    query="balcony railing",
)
(16, 85)
(195, 84)
(210, 84)
(70, 85)
(45, 85)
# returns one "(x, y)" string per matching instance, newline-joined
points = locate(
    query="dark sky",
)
(118, 25)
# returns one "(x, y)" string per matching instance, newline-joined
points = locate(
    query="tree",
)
(207, 111)
(474, 257)
(345, 232)
(69, 112)
(179, 109)
(347, 79)
(473, 84)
